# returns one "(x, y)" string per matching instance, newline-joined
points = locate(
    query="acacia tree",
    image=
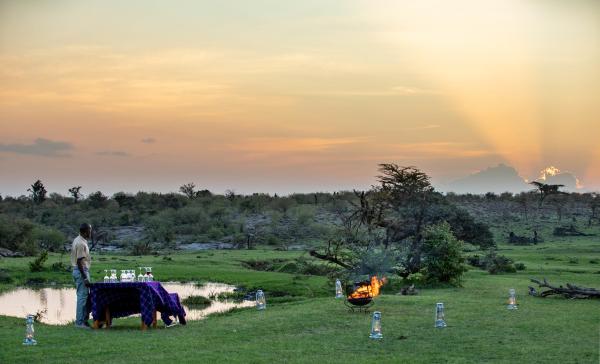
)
(188, 189)
(38, 192)
(394, 215)
(74, 191)
(546, 190)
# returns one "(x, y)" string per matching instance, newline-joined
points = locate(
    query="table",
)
(113, 300)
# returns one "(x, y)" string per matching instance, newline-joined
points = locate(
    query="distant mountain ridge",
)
(503, 178)
(498, 179)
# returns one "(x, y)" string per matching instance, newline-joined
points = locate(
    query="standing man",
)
(80, 264)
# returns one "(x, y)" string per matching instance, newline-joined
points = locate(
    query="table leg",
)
(107, 317)
(154, 319)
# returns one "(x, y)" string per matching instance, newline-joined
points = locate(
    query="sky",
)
(293, 96)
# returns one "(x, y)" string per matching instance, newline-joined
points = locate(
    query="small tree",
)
(188, 189)
(443, 260)
(97, 200)
(74, 191)
(38, 192)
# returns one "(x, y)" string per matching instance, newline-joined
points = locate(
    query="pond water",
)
(58, 303)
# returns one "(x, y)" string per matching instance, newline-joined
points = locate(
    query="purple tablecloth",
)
(124, 299)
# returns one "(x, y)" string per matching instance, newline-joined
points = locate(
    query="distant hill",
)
(498, 179)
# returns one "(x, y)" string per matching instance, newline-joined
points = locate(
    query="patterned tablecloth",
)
(124, 299)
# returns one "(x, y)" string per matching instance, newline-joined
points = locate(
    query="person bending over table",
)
(80, 264)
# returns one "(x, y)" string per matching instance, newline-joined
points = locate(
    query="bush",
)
(196, 300)
(442, 252)
(17, 235)
(475, 261)
(49, 238)
(59, 267)
(38, 264)
(495, 263)
(5, 277)
(520, 266)
(141, 248)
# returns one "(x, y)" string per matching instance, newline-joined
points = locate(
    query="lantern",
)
(376, 326)
(261, 302)
(338, 289)
(512, 299)
(439, 315)
(29, 331)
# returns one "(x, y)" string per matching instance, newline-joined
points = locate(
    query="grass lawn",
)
(315, 328)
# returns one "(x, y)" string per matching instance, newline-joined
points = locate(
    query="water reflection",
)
(58, 304)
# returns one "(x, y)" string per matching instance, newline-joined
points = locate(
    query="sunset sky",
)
(293, 96)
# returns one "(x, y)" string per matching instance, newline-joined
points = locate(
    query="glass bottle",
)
(150, 276)
(140, 276)
(106, 278)
(439, 315)
(376, 326)
(338, 289)
(261, 301)
(29, 331)
(512, 299)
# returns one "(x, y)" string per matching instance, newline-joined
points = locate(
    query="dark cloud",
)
(113, 153)
(40, 146)
(149, 140)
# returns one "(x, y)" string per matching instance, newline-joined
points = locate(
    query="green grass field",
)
(310, 326)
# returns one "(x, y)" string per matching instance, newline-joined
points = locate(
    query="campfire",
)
(365, 291)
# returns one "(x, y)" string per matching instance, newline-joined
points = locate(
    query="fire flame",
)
(368, 290)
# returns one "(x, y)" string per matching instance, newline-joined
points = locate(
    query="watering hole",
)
(57, 304)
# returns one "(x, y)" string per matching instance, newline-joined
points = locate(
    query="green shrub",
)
(141, 248)
(495, 263)
(5, 277)
(520, 266)
(443, 260)
(17, 235)
(38, 264)
(215, 233)
(49, 238)
(59, 267)
(475, 261)
(289, 267)
(196, 300)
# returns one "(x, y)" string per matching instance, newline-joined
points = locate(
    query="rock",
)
(9, 253)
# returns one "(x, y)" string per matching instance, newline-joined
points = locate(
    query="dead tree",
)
(97, 237)
(570, 291)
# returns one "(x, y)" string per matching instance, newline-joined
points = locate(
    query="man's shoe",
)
(82, 326)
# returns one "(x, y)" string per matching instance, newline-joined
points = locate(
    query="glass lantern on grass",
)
(512, 299)
(29, 331)
(376, 326)
(338, 289)
(440, 320)
(261, 301)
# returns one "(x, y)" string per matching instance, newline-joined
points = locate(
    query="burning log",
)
(571, 291)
